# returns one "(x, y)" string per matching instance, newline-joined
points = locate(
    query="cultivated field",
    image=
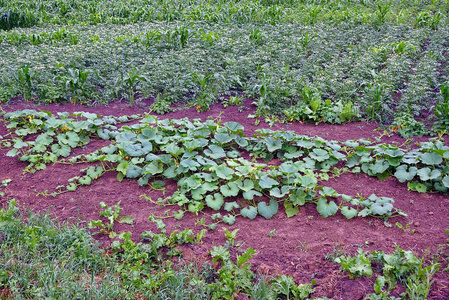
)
(224, 149)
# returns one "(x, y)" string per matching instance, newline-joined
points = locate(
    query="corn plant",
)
(374, 101)
(130, 80)
(380, 15)
(24, 78)
(441, 110)
(75, 82)
(206, 83)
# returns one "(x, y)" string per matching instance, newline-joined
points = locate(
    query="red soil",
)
(298, 246)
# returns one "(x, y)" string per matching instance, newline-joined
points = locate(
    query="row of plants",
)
(216, 166)
(18, 13)
(324, 73)
(23, 14)
(374, 12)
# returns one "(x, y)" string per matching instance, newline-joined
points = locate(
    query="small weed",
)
(302, 246)
(272, 233)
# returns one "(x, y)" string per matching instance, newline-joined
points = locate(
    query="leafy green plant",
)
(112, 214)
(207, 90)
(426, 19)
(399, 267)
(404, 229)
(233, 101)
(407, 126)
(75, 82)
(161, 105)
(130, 80)
(285, 286)
(380, 15)
(441, 111)
(4, 184)
(230, 236)
(24, 78)
(374, 104)
(357, 266)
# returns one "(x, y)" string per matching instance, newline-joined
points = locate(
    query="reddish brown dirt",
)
(297, 246)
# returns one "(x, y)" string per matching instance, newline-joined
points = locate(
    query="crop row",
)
(17, 13)
(205, 161)
(312, 73)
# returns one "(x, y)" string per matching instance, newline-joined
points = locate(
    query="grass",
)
(41, 258)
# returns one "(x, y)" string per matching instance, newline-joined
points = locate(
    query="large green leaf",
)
(241, 141)
(85, 180)
(249, 195)
(267, 182)
(299, 197)
(43, 139)
(126, 136)
(249, 212)
(71, 138)
(417, 186)
(223, 138)
(348, 212)
(133, 171)
(224, 172)
(308, 181)
(268, 211)
(60, 150)
(403, 175)
(319, 154)
(379, 166)
(230, 189)
(229, 206)
(280, 193)
(215, 152)
(138, 149)
(291, 210)
(431, 158)
(229, 219)
(154, 167)
(426, 174)
(234, 127)
(273, 144)
(94, 172)
(325, 208)
(381, 208)
(189, 164)
(288, 168)
(246, 186)
(445, 181)
(215, 202)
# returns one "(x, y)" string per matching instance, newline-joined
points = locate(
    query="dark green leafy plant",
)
(399, 267)
(407, 126)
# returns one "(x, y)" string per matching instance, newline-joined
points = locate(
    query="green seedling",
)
(404, 229)
(272, 233)
(112, 214)
(230, 236)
